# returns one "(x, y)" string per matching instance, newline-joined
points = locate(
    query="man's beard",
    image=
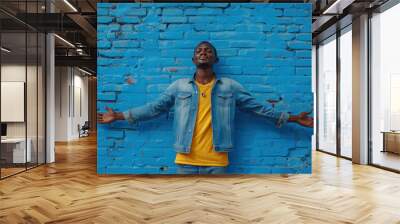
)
(203, 65)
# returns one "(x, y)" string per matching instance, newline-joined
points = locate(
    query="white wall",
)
(16, 72)
(71, 94)
(33, 127)
(61, 103)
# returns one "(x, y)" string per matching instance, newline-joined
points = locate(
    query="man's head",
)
(205, 55)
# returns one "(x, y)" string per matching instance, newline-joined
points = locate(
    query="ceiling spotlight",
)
(65, 41)
(337, 7)
(5, 50)
(70, 5)
(84, 71)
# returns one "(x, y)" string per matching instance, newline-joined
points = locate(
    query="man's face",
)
(204, 56)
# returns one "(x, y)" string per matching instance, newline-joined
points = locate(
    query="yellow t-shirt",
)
(202, 151)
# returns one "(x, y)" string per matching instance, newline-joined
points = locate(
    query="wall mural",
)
(204, 88)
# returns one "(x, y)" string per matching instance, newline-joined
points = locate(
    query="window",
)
(385, 89)
(346, 92)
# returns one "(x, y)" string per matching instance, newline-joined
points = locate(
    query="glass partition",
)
(327, 95)
(31, 97)
(14, 151)
(41, 107)
(22, 77)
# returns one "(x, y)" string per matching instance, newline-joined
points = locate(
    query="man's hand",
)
(302, 119)
(109, 117)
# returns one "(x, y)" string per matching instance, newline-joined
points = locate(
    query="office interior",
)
(48, 79)
(44, 96)
(48, 102)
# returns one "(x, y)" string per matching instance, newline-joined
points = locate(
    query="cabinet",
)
(391, 142)
(13, 150)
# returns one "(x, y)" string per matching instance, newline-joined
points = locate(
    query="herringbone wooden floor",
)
(70, 191)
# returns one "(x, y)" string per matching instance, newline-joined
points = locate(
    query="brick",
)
(110, 70)
(103, 44)
(110, 53)
(304, 37)
(108, 28)
(103, 61)
(303, 62)
(179, 27)
(278, 53)
(242, 44)
(303, 71)
(260, 88)
(128, 35)
(190, 12)
(223, 35)
(209, 11)
(111, 36)
(104, 19)
(125, 44)
(295, 162)
(180, 44)
(171, 35)
(127, 28)
(177, 53)
(140, 35)
(300, 152)
(279, 62)
(172, 12)
(173, 19)
(238, 11)
(305, 28)
(196, 35)
(227, 52)
(203, 19)
(293, 29)
(128, 19)
(295, 12)
(299, 45)
(214, 27)
(136, 12)
(174, 5)
(102, 12)
(150, 44)
(250, 27)
(233, 70)
(254, 71)
(123, 9)
(216, 5)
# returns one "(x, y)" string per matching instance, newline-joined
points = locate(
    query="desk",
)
(391, 141)
(16, 148)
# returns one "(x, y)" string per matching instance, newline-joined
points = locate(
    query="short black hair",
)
(208, 43)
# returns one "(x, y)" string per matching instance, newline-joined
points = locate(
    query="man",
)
(204, 114)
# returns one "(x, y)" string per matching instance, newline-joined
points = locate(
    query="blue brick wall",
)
(143, 47)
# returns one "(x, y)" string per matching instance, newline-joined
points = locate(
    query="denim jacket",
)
(182, 94)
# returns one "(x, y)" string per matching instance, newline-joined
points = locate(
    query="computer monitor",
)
(3, 129)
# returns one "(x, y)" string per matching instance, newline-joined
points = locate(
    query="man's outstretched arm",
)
(145, 112)
(110, 116)
(247, 102)
(302, 119)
